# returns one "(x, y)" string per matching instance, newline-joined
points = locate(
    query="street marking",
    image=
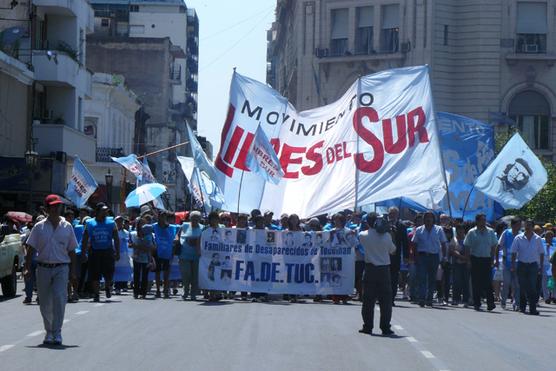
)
(411, 339)
(36, 333)
(98, 304)
(397, 327)
(3, 348)
(427, 354)
(81, 312)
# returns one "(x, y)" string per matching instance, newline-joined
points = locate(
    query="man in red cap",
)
(53, 240)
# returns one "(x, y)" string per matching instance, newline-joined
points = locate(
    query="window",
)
(134, 8)
(339, 32)
(531, 27)
(364, 31)
(531, 112)
(136, 29)
(390, 30)
(105, 22)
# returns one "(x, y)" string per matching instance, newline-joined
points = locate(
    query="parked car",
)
(11, 261)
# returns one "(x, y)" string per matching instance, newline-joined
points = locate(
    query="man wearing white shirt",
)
(526, 250)
(376, 280)
(53, 240)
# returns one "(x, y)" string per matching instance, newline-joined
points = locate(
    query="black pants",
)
(481, 280)
(377, 286)
(527, 274)
(394, 276)
(446, 280)
(140, 278)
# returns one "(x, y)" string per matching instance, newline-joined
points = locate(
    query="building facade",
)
(110, 117)
(491, 60)
(47, 38)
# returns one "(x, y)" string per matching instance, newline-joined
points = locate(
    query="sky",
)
(230, 35)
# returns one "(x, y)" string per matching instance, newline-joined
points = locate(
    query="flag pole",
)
(466, 202)
(163, 149)
(357, 147)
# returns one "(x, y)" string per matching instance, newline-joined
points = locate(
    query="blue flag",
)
(514, 177)
(262, 159)
(468, 148)
(82, 184)
(206, 176)
(146, 176)
(131, 163)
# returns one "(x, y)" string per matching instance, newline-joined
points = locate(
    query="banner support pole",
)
(357, 147)
(466, 202)
(239, 192)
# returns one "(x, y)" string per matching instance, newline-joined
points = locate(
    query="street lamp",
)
(31, 160)
(109, 179)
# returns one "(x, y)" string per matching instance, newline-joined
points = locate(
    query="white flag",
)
(377, 142)
(514, 177)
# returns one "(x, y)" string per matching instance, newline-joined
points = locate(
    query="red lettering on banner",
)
(234, 144)
(287, 159)
(346, 153)
(313, 155)
(408, 126)
(219, 163)
(240, 162)
(338, 151)
(368, 166)
(401, 143)
(275, 144)
(418, 127)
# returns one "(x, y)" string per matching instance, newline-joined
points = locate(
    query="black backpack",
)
(381, 225)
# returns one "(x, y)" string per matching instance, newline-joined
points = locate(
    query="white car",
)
(11, 260)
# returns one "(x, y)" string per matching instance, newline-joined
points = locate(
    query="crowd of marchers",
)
(71, 255)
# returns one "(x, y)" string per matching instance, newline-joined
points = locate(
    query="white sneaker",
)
(48, 338)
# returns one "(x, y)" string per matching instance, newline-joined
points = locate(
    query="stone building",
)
(492, 60)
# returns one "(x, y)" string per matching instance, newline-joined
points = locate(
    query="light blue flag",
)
(131, 163)
(146, 176)
(262, 159)
(197, 191)
(206, 173)
(82, 184)
(514, 177)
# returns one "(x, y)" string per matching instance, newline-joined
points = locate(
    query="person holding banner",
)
(378, 246)
(338, 236)
(189, 239)
(104, 249)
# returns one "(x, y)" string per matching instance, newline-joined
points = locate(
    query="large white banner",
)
(377, 142)
(265, 261)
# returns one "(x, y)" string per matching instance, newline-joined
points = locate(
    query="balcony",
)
(62, 138)
(71, 8)
(57, 68)
(175, 75)
(103, 154)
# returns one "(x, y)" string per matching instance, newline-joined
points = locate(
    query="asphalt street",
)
(170, 334)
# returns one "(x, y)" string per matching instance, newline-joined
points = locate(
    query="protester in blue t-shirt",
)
(189, 237)
(165, 234)
(104, 249)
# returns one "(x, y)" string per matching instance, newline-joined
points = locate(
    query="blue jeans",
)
(527, 276)
(30, 283)
(510, 281)
(461, 283)
(427, 266)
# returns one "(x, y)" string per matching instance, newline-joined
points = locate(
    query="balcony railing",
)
(175, 74)
(103, 154)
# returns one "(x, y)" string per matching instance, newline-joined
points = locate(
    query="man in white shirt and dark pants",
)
(526, 250)
(54, 242)
(378, 246)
